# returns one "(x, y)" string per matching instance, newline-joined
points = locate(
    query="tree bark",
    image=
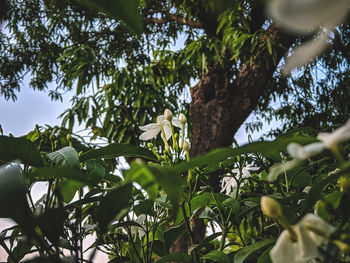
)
(220, 105)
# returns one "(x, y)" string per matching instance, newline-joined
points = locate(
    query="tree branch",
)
(172, 18)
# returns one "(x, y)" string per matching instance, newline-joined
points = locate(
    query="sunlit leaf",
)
(65, 157)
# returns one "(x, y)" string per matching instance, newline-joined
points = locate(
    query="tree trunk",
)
(220, 105)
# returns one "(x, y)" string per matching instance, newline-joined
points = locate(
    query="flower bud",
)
(168, 115)
(344, 183)
(270, 207)
(182, 118)
(150, 145)
(186, 146)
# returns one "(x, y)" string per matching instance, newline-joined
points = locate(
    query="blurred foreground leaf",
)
(19, 148)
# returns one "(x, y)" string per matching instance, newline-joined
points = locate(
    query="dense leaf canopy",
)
(123, 79)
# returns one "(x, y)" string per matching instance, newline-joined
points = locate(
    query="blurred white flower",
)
(136, 229)
(229, 183)
(332, 139)
(310, 232)
(305, 17)
(280, 168)
(151, 130)
(304, 152)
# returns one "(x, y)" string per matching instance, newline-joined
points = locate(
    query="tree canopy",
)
(123, 78)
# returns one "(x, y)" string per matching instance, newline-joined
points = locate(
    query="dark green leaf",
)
(206, 240)
(116, 150)
(95, 169)
(243, 253)
(149, 176)
(112, 204)
(265, 256)
(19, 148)
(216, 256)
(13, 200)
(176, 257)
(51, 223)
(57, 173)
(144, 207)
(126, 10)
(173, 233)
(254, 147)
(68, 189)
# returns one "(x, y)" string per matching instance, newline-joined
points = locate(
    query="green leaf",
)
(176, 257)
(243, 253)
(13, 200)
(254, 147)
(144, 207)
(173, 233)
(19, 148)
(265, 256)
(316, 191)
(150, 176)
(51, 223)
(95, 169)
(217, 256)
(68, 189)
(116, 150)
(57, 173)
(112, 204)
(65, 157)
(126, 10)
(206, 240)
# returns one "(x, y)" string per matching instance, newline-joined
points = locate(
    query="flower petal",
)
(279, 168)
(176, 122)
(147, 135)
(167, 131)
(148, 127)
(306, 53)
(339, 135)
(301, 153)
(305, 16)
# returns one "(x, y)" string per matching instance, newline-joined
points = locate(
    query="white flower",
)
(332, 139)
(136, 229)
(280, 168)
(151, 130)
(301, 153)
(245, 170)
(310, 232)
(229, 183)
(305, 17)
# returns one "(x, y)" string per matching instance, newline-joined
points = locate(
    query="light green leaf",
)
(65, 157)
(19, 148)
